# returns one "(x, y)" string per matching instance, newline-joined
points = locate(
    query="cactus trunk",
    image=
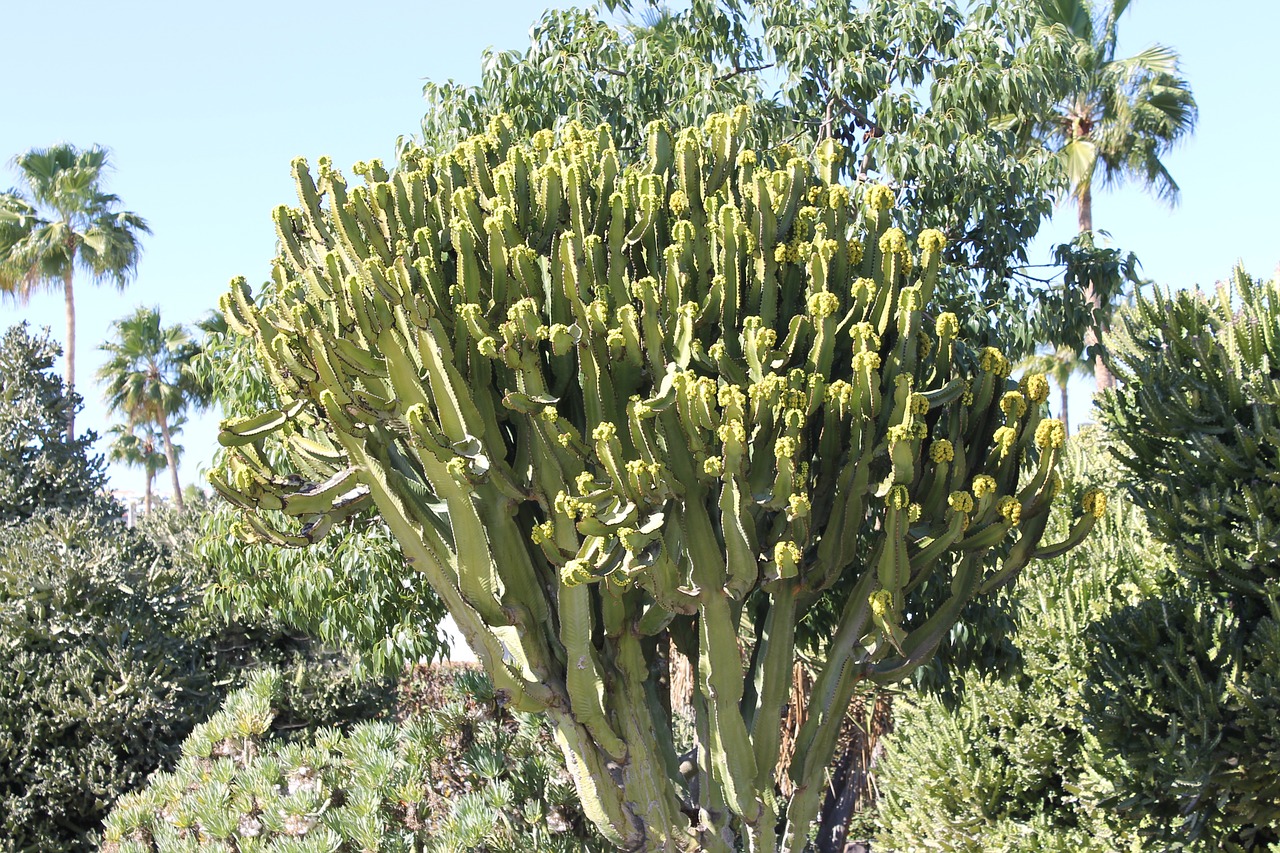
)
(607, 408)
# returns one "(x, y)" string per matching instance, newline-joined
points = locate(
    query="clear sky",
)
(204, 105)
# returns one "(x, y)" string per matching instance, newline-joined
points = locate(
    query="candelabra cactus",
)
(601, 406)
(1195, 423)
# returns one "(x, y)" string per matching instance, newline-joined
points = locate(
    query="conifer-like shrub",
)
(1183, 707)
(465, 775)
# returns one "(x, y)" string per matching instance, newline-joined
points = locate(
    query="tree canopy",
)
(941, 101)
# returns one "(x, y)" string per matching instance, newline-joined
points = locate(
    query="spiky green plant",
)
(1197, 424)
(695, 397)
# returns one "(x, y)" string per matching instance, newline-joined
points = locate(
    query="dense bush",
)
(102, 679)
(115, 660)
(1184, 723)
(328, 685)
(1185, 708)
(465, 775)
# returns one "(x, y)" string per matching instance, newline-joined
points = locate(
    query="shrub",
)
(1183, 712)
(1187, 723)
(116, 660)
(102, 682)
(464, 776)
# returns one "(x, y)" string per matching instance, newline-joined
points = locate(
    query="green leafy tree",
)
(63, 221)
(105, 680)
(141, 446)
(41, 467)
(148, 378)
(1127, 115)
(603, 406)
(937, 99)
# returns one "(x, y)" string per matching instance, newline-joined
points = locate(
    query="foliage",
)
(1001, 760)
(598, 405)
(104, 681)
(65, 221)
(328, 686)
(1184, 722)
(350, 590)
(1191, 681)
(464, 776)
(1195, 423)
(937, 99)
(40, 467)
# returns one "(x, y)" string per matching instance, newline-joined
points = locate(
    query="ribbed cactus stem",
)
(603, 405)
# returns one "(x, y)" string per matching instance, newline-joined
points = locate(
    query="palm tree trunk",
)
(70, 350)
(1066, 421)
(146, 500)
(1105, 381)
(173, 462)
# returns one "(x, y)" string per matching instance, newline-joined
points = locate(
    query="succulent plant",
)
(603, 406)
(461, 775)
(1196, 424)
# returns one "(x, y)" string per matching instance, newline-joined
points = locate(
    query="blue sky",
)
(204, 105)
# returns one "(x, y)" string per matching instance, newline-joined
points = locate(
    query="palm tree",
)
(141, 446)
(1059, 365)
(148, 378)
(1128, 113)
(64, 221)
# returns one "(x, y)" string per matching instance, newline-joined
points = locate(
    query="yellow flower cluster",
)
(1094, 501)
(823, 304)
(942, 451)
(983, 485)
(893, 241)
(1013, 404)
(931, 240)
(1036, 387)
(1050, 433)
(1010, 509)
(879, 197)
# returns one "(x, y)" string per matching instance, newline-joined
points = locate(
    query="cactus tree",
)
(602, 407)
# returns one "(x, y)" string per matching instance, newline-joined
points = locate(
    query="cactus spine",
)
(600, 406)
